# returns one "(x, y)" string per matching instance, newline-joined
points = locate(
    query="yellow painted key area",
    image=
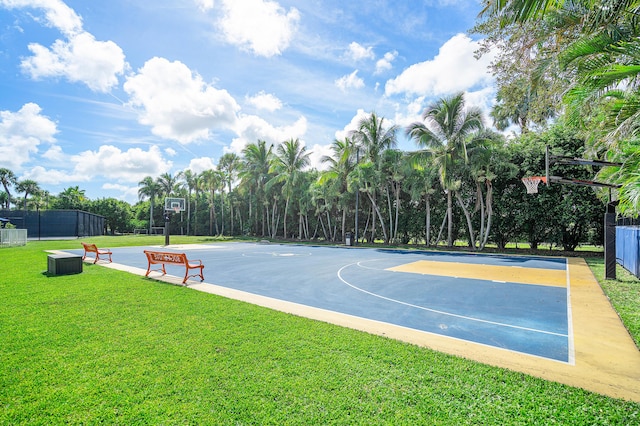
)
(511, 274)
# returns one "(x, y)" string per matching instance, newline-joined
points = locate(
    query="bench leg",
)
(200, 274)
(164, 272)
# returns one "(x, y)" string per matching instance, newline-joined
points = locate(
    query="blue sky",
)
(100, 94)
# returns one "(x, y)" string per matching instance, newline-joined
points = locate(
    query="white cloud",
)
(453, 69)
(178, 104)
(199, 165)
(385, 63)
(57, 13)
(315, 156)
(407, 113)
(265, 101)
(260, 26)
(82, 59)
(205, 5)
(358, 52)
(49, 176)
(251, 128)
(21, 133)
(110, 162)
(79, 58)
(351, 81)
(55, 154)
(484, 99)
(353, 125)
(127, 193)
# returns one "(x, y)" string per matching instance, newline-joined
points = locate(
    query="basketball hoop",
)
(532, 183)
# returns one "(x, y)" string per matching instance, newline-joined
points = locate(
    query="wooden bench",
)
(92, 248)
(162, 258)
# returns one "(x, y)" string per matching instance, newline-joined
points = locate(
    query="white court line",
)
(436, 310)
(572, 347)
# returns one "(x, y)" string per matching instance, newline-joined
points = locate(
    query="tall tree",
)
(443, 136)
(189, 178)
(290, 159)
(8, 179)
(211, 180)
(169, 184)
(230, 164)
(28, 186)
(72, 198)
(149, 188)
(421, 184)
(374, 137)
(485, 155)
(198, 186)
(255, 174)
(341, 164)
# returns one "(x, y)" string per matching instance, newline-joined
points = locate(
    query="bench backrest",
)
(90, 247)
(166, 257)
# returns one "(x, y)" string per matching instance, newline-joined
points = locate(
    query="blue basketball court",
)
(545, 316)
(519, 307)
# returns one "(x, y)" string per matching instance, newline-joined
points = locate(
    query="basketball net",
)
(532, 183)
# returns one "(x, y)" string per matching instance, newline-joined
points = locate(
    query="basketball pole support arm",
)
(610, 214)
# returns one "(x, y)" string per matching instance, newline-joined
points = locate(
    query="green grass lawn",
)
(108, 347)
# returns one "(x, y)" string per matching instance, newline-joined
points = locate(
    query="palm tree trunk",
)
(231, 229)
(449, 220)
(482, 212)
(324, 230)
(489, 207)
(366, 226)
(472, 239)
(427, 224)
(315, 231)
(284, 223)
(390, 210)
(222, 211)
(150, 214)
(300, 221)
(376, 211)
(195, 215)
(397, 189)
(444, 220)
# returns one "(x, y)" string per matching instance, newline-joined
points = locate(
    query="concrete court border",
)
(607, 360)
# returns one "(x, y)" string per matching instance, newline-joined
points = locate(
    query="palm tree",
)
(212, 180)
(374, 138)
(72, 198)
(396, 167)
(444, 139)
(484, 156)
(4, 198)
(341, 163)
(28, 186)
(291, 157)
(169, 184)
(255, 174)
(421, 182)
(148, 188)
(230, 165)
(7, 178)
(189, 178)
